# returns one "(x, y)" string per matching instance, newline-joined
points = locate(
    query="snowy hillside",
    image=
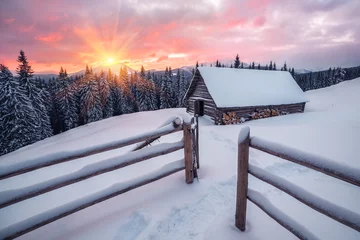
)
(171, 209)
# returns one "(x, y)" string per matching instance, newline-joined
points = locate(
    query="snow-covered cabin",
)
(244, 94)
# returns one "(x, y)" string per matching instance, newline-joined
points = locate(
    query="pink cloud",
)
(25, 29)
(259, 22)
(9, 20)
(162, 58)
(53, 18)
(50, 38)
(202, 30)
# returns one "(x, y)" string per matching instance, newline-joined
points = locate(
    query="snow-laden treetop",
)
(232, 87)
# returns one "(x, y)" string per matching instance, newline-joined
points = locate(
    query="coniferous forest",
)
(32, 109)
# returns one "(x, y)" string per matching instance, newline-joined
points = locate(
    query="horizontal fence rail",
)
(338, 213)
(138, 154)
(52, 215)
(13, 196)
(52, 159)
(279, 216)
(317, 163)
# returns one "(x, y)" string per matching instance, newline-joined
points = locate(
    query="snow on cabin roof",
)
(231, 87)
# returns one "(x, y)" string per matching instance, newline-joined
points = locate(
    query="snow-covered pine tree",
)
(285, 67)
(115, 94)
(165, 94)
(25, 75)
(127, 98)
(182, 89)
(258, 67)
(66, 105)
(237, 61)
(90, 100)
(18, 119)
(105, 96)
(178, 88)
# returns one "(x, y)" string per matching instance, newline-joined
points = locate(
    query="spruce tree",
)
(19, 123)
(242, 65)
(285, 67)
(271, 66)
(259, 66)
(274, 66)
(25, 75)
(165, 94)
(182, 89)
(237, 61)
(105, 96)
(66, 104)
(90, 100)
(253, 65)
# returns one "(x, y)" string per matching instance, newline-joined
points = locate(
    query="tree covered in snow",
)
(182, 89)
(165, 92)
(19, 120)
(25, 75)
(105, 96)
(66, 103)
(237, 61)
(91, 110)
(127, 98)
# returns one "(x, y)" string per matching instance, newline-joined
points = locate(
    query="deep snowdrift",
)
(171, 209)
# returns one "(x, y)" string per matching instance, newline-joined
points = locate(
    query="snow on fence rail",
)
(32, 164)
(338, 213)
(13, 196)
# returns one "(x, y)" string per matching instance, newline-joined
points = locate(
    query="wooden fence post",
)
(242, 178)
(189, 174)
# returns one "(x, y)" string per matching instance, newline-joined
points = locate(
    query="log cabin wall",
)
(198, 90)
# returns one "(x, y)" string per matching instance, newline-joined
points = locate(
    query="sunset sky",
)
(159, 33)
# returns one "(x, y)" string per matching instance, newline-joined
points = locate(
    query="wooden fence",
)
(338, 213)
(138, 154)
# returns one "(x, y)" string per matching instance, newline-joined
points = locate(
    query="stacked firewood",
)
(258, 114)
(231, 118)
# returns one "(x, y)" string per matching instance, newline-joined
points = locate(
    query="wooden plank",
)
(340, 214)
(23, 168)
(242, 178)
(52, 215)
(279, 216)
(189, 174)
(325, 166)
(17, 195)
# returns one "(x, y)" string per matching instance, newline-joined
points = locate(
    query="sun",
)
(110, 61)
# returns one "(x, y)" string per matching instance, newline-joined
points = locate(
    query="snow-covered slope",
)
(171, 209)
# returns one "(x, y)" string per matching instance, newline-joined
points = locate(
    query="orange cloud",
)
(52, 37)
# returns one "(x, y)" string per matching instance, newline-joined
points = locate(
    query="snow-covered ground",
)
(171, 209)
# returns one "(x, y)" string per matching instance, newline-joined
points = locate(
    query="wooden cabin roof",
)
(230, 87)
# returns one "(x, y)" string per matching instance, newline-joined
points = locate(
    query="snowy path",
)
(171, 209)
